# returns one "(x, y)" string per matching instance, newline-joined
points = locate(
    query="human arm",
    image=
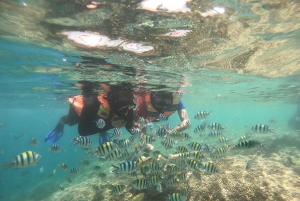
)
(184, 124)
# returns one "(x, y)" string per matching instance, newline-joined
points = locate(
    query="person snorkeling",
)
(98, 113)
(159, 105)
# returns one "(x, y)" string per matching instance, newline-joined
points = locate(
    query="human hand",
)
(119, 123)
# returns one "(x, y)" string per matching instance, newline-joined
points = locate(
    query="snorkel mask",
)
(160, 100)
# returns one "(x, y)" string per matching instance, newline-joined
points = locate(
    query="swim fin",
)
(104, 137)
(54, 135)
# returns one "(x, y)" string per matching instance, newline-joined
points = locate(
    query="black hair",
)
(162, 95)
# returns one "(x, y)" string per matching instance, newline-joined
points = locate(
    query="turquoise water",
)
(243, 65)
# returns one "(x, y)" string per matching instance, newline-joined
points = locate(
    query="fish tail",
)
(116, 168)
(272, 130)
(7, 166)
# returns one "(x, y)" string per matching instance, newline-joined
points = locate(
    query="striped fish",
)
(250, 163)
(115, 154)
(247, 144)
(136, 132)
(154, 167)
(155, 179)
(149, 139)
(261, 128)
(159, 188)
(106, 148)
(171, 180)
(244, 138)
(74, 171)
(210, 168)
(125, 167)
(116, 134)
(214, 134)
(197, 174)
(82, 141)
(100, 123)
(182, 149)
(197, 155)
(185, 191)
(140, 184)
(23, 160)
(195, 146)
(193, 164)
(168, 143)
(172, 169)
(55, 148)
(182, 176)
(202, 115)
(177, 197)
(162, 117)
(216, 127)
(200, 128)
(118, 188)
(187, 136)
(161, 132)
(223, 140)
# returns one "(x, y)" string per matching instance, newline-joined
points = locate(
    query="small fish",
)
(118, 188)
(185, 191)
(200, 128)
(115, 154)
(202, 115)
(261, 128)
(176, 136)
(124, 143)
(41, 169)
(210, 168)
(223, 140)
(172, 169)
(182, 176)
(74, 171)
(215, 134)
(138, 197)
(23, 160)
(197, 155)
(144, 161)
(250, 163)
(244, 138)
(187, 136)
(63, 166)
(136, 132)
(149, 139)
(193, 164)
(159, 188)
(171, 180)
(68, 180)
(34, 142)
(216, 127)
(161, 132)
(61, 187)
(195, 146)
(197, 174)
(97, 168)
(168, 143)
(82, 141)
(154, 167)
(177, 197)
(247, 144)
(182, 149)
(125, 167)
(116, 134)
(155, 179)
(140, 184)
(188, 124)
(84, 162)
(162, 117)
(272, 121)
(100, 123)
(55, 148)
(106, 148)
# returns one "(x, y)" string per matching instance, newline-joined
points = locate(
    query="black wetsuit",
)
(87, 120)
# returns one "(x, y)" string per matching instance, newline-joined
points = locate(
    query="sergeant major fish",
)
(55, 148)
(82, 141)
(261, 128)
(249, 163)
(216, 127)
(23, 160)
(125, 167)
(100, 123)
(202, 115)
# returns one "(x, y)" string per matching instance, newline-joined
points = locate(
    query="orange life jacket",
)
(78, 102)
(152, 114)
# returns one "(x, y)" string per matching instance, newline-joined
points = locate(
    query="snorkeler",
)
(97, 113)
(159, 105)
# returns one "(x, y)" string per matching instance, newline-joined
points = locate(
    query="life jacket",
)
(78, 102)
(152, 114)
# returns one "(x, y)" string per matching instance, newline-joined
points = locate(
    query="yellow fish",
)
(138, 197)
